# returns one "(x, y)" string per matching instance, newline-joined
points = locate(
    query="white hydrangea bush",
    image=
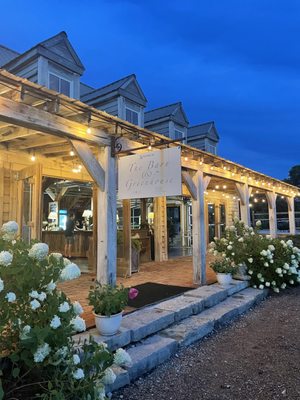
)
(270, 262)
(37, 324)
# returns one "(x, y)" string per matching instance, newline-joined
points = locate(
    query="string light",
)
(33, 157)
(72, 153)
(89, 130)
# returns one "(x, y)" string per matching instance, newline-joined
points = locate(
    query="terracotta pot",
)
(108, 326)
(224, 279)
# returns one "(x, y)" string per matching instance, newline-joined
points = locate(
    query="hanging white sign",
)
(152, 174)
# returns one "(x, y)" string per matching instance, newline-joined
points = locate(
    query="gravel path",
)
(256, 357)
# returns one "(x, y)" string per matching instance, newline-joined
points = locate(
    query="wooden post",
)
(244, 194)
(127, 234)
(271, 199)
(106, 221)
(291, 211)
(199, 231)
(143, 211)
(160, 228)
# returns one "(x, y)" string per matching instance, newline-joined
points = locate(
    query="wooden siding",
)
(8, 193)
(111, 107)
(163, 127)
(29, 71)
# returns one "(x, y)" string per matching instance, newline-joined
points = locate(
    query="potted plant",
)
(224, 269)
(108, 303)
(136, 247)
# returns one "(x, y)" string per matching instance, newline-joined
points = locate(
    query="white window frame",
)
(133, 110)
(61, 77)
(211, 148)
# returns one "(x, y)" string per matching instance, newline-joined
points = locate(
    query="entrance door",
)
(30, 197)
(216, 220)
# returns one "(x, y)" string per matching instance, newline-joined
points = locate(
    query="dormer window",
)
(132, 116)
(60, 84)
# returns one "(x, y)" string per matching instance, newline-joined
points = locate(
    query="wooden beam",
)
(291, 212)
(55, 149)
(106, 222)
(271, 199)
(244, 193)
(160, 228)
(90, 162)
(127, 234)
(15, 133)
(188, 181)
(199, 230)
(37, 142)
(29, 117)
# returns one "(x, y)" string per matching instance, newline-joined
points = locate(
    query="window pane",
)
(64, 87)
(178, 135)
(53, 82)
(132, 116)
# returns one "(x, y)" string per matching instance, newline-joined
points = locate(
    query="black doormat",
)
(151, 293)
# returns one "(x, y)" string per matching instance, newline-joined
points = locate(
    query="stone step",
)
(148, 321)
(196, 327)
(154, 350)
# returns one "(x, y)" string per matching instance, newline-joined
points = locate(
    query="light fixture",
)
(185, 158)
(224, 187)
(72, 153)
(263, 200)
(149, 147)
(217, 186)
(33, 157)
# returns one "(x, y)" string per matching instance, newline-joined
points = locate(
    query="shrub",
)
(38, 357)
(271, 263)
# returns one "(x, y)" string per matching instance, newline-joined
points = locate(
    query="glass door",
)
(211, 222)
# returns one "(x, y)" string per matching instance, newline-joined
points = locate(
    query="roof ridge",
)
(7, 48)
(168, 105)
(111, 83)
(203, 123)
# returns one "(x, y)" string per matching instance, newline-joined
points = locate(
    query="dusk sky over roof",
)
(234, 62)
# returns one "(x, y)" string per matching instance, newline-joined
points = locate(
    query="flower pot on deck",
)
(108, 326)
(224, 279)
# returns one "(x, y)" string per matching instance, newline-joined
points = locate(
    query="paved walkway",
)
(178, 272)
(255, 358)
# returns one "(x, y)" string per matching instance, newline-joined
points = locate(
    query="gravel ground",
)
(255, 357)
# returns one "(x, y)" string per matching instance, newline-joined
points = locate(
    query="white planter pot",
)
(108, 326)
(224, 279)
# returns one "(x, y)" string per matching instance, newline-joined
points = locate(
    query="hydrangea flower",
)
(76, 359)
(1, 285)
(109, 377)
(62, 352)
(78, 324)
(121, 357)
(267, 284)
(250, 260)
(34, 304)
(66, 261)
(71, 271)
(258, 223)
(39, 251)
(55, 322)
(260, 287)
(41, 353)
(57, 256)
(34, 294)
(64, 307)
(78, 374)
(9, 230)
(25, 331)
(50, 287)
(77, 308)
(42, 296)
(5, 258)
(11, 297)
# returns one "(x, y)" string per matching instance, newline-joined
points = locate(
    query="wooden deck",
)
(178, 272)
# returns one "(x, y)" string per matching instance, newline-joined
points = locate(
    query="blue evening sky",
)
(235, 62)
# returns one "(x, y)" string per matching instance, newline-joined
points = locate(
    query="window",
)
(59, 84)
(132, 116)
(178, 134)
(135, 218)
(211, 149)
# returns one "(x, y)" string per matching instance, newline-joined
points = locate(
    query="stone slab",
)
(120, 339)
(190, 330)
(146, 322)
(236, 286)
(212, 294)
(182, 306)
(149, 354)
(122, 379)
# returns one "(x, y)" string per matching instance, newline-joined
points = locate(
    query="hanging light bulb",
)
(72, 153)
(32, 157)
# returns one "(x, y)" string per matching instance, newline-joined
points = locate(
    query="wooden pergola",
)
(50, 133)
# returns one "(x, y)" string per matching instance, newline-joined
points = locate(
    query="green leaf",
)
(16, 372)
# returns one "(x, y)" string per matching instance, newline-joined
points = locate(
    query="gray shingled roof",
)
(160, 112)
(202, 129)
(7, 55)
(106, 89)
(85, 89)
